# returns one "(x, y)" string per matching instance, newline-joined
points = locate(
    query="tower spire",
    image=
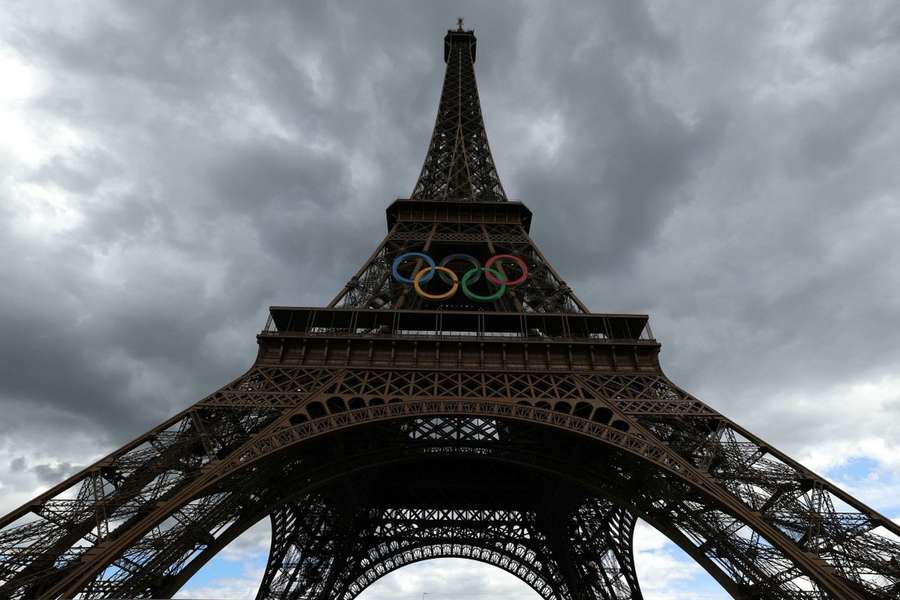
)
(459, 165)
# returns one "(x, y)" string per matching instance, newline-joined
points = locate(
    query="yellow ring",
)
(428, 296)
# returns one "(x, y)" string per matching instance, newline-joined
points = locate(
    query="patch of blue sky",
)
(867, 480)
(227, 576)
(855, 468)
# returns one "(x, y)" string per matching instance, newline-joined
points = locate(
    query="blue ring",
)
(407, 280)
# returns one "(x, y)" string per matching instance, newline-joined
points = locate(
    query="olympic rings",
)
(466, 257)
(494, 275)
(522, 267)
(418, 278)
(472, 295)
(395, 267)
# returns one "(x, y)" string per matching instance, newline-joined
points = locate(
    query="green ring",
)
(464, 284)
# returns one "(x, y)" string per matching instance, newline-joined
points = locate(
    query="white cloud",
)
(240, 587)
(667, 573)
(253, 542)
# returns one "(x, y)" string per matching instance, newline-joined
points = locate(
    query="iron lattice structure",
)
(390, 427)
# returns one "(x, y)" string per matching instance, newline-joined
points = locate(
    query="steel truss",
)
(374, 538)
(459, 164)
(385, 429)
(760, 523)
(373, 287)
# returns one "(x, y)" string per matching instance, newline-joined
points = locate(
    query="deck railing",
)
(340, 322)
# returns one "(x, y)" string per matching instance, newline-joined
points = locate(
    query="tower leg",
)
(304, 557)
(601, 551)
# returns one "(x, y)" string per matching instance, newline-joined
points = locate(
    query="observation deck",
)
(459, 211)
(457, 339)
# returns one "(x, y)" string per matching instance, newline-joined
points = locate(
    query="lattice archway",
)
(504, 561)
(730, 549)
(523, 544)
(618, 579)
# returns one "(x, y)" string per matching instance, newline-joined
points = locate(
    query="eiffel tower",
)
(455, 399)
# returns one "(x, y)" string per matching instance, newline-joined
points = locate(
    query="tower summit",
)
(455, 399)
(459, 165)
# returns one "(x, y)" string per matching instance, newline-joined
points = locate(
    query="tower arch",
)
(680, 516)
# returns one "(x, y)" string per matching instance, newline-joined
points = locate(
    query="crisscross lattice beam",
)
(459, 165)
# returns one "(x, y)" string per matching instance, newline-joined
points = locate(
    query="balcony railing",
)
(350, 322)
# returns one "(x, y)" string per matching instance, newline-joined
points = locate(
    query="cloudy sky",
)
(169, 170)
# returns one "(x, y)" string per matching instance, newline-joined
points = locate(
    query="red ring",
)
(522, 266)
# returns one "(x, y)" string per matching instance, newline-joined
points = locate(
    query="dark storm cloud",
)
(730, 170)
(727, 172)
(46, 473)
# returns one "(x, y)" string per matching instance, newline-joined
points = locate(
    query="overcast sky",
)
(168, 170)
